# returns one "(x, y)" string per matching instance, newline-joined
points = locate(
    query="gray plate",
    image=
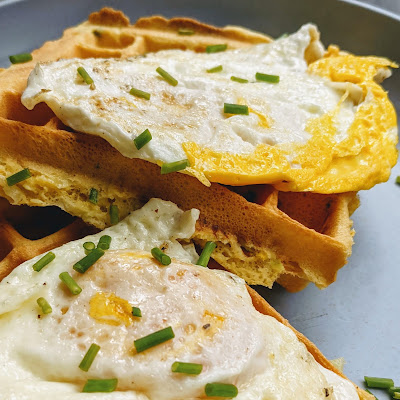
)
(358, 316)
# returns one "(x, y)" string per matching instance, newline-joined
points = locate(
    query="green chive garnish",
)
(186, 32)
(114, 214)
(83, 265)
(93, 195)
(216, 48)
(394, 389)
(239, 80)
(136, 312)
(100, 385)
(18, 177)
(186, 368)
(89, 357)
(218, 68)
(69, 281)
(44, 305)
(85, 76)
(371, 393)
(88, 247)
(398, 180)
(104, 242)
(142, 139)
(140, 93)
(396, 395)
(20, 58)
(236, 109)
(46, 259)
(160, 256)
(267, 78)
(381, 383)
(154, 339)
(171, 80)
(206, 254)
(221, 390)
(175, 166)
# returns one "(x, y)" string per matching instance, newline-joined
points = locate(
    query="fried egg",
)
(209, 311)
(326, 126)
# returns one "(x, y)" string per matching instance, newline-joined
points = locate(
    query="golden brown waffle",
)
(292, 238)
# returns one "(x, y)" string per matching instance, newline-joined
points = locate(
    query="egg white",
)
(192, 111)
(210, 311)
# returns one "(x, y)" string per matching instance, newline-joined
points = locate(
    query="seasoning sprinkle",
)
(46, 259)
(216, 48)
(170, 79)
(267, 77)
(83, 265)
(236, 109)
(20, 58)
(175, 166)
(142, 139)
(154, 339)
(160, 256)
(218, 68)
(44, 305)
(18, 177)
(70, 283)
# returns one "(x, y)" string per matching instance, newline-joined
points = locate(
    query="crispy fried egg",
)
(210, 312)
(326, 126)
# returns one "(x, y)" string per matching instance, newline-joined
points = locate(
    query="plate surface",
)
(357, 317)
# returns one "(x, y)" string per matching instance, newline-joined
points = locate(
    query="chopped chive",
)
(20, 58)
(221, 390)
(104, 242)
(46, 259)
(136, 312)
(88, 247)
(89, 357)
(267, 78)
(114, 214)
(171, 80)
(142, 139)
(218, 68)
(396, 395)
(381, 383)
(175, 166)
(371, 393)
(44, 305)
(154, 339)
(398, 180)
(18, 177)
(85, 76)
(93, 195)
(206, 254)
(100, 385)
(71, 284)
(216, 48)
(97, 33)
(236, 109)
(239, 80)
(394, 389)
(185, 32)
(186, 368)
(83, 265)
(160, 256)
(140, 93)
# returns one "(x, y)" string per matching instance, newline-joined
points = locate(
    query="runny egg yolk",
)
(107, 308)
(323, 164)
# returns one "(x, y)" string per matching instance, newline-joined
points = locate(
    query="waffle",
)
(263, 235)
